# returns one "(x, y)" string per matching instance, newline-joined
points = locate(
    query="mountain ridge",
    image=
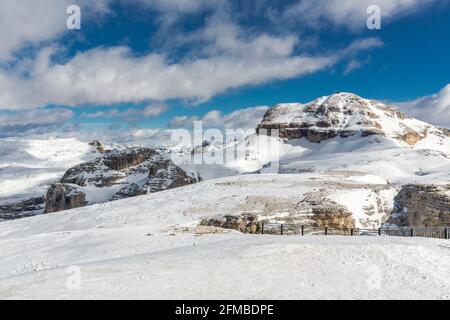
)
(345, 114)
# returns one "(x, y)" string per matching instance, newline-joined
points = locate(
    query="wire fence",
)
(304, 230)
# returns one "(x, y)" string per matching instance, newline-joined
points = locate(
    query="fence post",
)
(282, 229)
(412, 232)
(303, 230)
(326, 231)
(446, 233)
(351, 232)
(379, 231)
(262, 227)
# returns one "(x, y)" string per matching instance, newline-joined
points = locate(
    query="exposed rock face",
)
(314, 211)
(97, 145)
(63, 197)
(422, 206)
(246, 223)
(163, 174)
(130, 158)
(118, 174)
(326, 213)
(411, 138)
(22, 209)
(332, 216)
(112, 167)
(341, 115)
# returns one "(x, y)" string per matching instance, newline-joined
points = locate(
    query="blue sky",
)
(158, 64)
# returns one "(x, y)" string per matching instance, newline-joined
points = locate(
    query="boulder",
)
(63, 197)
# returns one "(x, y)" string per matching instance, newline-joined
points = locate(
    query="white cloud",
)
(434, 109)
(147, 112)
(32, 22)
(33, 121)
(101, 114)
(247, 118)
(181, 6)
(154, 110)
(351, 13)
(228, 56)
(114, 75)
(106, 76)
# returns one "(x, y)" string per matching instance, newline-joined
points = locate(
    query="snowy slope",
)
(151, 247)
(28, 166)
(349, 134)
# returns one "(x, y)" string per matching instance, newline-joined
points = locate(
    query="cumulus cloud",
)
(147, 112)
(171, 9)
(114, 75)
(227, 56)
(247, 118)
(350, 13)
(32, 22)
(181, 6)
(33, 121)
(434, 109)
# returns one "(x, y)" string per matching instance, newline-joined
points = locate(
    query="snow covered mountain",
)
(351, 137)
(116, 175)
(344, 132)
(59, 174)
(29, 166)
(346, 114)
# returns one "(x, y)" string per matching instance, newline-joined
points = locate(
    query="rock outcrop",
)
(311, 211)
(21, 209)
(118, 174)
(97, 145)
(246, 223)
(335, 216)
(63, 197)
(422, 206)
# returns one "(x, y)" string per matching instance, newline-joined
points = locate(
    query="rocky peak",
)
(345, 114)
(116, 175)
(97, 145)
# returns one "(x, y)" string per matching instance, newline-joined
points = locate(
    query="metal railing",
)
(298, 229)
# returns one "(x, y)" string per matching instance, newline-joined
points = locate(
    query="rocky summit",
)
(118, 174)
(344, 115)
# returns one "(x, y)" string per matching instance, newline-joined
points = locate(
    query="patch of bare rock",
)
(422, 206)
